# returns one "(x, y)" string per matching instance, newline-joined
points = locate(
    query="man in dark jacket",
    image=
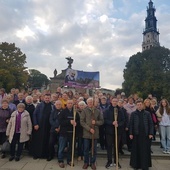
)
(102, 135)
(110, 125)
(55, 128)
(66, 120)
(126, 124)
(141, 133)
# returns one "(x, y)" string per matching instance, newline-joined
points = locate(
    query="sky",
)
(100, 35)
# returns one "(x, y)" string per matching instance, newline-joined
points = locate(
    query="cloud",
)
(99, 35)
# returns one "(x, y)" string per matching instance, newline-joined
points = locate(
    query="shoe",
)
(168, 152)
(49, 158)
(165, 152)
(121, 152)
(35, 157)
(108, 165)
(79, 158)
(69, 163)
(119, 166)
(93, 166)
(3, 156)
(85, 166)
(11, 158)
(61, 165)
(17, 159)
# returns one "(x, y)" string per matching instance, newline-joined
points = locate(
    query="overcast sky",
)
(100, 35)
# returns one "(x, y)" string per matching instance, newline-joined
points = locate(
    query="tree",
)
(148, 72)
(37, 79)
(12, 70)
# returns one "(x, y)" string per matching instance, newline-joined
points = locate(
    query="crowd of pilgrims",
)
(42, 123)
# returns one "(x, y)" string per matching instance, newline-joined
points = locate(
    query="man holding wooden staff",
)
(111, 124)
(90, 119)
(67, 121)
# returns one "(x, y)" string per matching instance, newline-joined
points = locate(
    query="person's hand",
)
(57, 129)
(115, 123)
(73, 122)
(36, 127)
(150, 136)
(131, 137)
(92, 131)
(93, 122)
(159, 119)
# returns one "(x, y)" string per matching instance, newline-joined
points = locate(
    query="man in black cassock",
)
(141, 133)
(41, 132)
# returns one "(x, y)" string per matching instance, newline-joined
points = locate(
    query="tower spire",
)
(150, 33)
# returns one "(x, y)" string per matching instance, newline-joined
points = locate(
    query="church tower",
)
(150, 34)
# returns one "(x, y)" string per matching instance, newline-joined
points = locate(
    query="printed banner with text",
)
(81, 79)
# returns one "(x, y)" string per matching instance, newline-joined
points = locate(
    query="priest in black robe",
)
(41, 132)
(141, 133)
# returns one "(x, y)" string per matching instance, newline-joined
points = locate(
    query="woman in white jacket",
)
(18, 130)
(163, 114)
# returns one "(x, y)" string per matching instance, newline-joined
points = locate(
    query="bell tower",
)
(150, 33)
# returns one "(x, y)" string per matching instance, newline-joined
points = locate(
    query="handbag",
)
(154, 118)
(5, 146)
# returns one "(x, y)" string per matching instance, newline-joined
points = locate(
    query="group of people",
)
(39, 122)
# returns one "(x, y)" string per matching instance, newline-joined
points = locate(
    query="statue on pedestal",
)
(55, 73)
(70, 61)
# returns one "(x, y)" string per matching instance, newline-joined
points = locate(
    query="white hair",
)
(28, 97)
(90, 98)
(82, 103)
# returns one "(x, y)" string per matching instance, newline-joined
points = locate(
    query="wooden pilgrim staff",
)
(92, 142)
(93, 118)
(73, 138)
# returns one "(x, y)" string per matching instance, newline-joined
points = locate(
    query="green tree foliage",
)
(12, 70)
(148, 72)
(37, 79)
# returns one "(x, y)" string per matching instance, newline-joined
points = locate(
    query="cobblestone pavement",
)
(28, 163)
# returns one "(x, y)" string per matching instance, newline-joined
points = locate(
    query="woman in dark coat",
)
(5, 114)
(141, 133)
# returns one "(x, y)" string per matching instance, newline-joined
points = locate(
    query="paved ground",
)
(160, 161)
(27, 163)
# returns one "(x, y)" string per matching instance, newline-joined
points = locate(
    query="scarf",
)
(18, 122)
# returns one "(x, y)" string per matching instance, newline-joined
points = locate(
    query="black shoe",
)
(121, 152)
(17, 159)
(69, 163)
(35, 157)
(11, 158)
(3, 156)
(49, 158)
(108, 165)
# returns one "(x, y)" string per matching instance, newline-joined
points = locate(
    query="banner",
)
(81, 79)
